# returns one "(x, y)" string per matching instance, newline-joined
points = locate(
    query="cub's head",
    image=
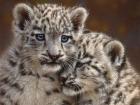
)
(48, 33)
(96, 69)
(84, 78)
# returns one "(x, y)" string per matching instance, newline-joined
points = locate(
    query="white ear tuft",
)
(116, 52)
(78, 18)
(22, 14)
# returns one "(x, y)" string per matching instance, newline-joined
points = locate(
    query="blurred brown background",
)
(118, 18)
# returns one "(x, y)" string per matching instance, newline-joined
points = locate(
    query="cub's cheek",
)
(73, 49)
(63, 58)
(70, 49)
(78, 81)
(51, 68)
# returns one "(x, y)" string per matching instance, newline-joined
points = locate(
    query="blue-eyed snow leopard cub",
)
(102, 74)
(45, 37)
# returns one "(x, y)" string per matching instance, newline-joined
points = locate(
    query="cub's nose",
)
(54, 57)
(63, 80)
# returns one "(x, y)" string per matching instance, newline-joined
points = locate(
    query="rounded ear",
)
(116, 52)
(78, 17)
(22, 14)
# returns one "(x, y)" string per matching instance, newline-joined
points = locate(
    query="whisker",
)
(69, 65)
(64, 66)
(73, 58)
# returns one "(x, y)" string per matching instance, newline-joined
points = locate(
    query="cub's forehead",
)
(50, 10)
(52, 17)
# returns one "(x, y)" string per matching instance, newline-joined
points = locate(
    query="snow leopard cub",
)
(44, 41)
(102, 74)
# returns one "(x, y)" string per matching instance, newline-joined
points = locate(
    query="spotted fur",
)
(102, 74)
(28, 69)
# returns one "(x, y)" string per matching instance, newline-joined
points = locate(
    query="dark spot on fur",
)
(37, 28)
(56, 91)
(22, 72)
(2, 92)
(16, 103)
(21, 66)
(107, 101)
(96, 62)
(89, 55)
(96, 45)
(105, 73)
(44, 28)
(16, 52)
(12, 63)
(28, 73)
(51, 78)
(32, 34)
(86, 31)
(119, 98)
(123, 65)
(36, 21)
(96, 68)
(135, 101)
(38, 76)
(17, 86)
(89, 101)
(5, 80)
(96, 90)
(88, 68)
(79, 54)
(102, 67)
(86, 102)
(84, 49)
(79, 64)
(42, 21)
(42, 11)
(48, 93)
(2, 103)
(111, 92)
(65, 102)
(81, 40)
(27, 39)
(120, 94)
(87, 42)
(47, 76)
(106, 43)
(31, 74)
(97, 34)
(118, 85)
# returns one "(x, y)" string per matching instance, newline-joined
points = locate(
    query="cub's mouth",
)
(71, 89)
(50, 66)
(47, 62)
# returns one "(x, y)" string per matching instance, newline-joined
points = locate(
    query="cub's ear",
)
(22, 14)
(78, 17)
(116, 52)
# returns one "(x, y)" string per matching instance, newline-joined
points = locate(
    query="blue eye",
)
(40, 37)
(65, 38)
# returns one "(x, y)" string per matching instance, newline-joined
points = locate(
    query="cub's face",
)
(49, 33)
(94, 70)
(84, 78)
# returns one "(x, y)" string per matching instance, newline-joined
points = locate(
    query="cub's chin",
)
(51, 68)
(71, 91)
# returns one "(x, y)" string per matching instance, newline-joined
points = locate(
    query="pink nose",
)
(54, 57)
